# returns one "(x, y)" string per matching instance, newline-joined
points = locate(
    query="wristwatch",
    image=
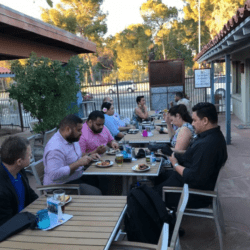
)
(176, 164)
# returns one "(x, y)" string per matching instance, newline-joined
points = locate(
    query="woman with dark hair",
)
(140, 112)
(108, 111)
(181, 138)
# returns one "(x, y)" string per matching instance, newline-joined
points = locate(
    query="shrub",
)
(47, 89)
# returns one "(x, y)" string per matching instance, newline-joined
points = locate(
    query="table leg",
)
(125, 186)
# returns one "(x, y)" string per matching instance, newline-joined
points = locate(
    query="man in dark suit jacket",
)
(15, 191)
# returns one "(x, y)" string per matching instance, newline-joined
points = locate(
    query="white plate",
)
(111, 163)
(145, 122)
(70, 199)
(163, 121)
(134, 168)
(133, 130)
(112, 152)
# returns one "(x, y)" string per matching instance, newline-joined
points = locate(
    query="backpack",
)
(145, 215)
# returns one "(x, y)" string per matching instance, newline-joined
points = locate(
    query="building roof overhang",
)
(17, 29)
(236, 40)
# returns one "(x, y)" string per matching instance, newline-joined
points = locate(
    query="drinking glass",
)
(119, 159)
(140, 127)
(42, 219)
(59, 195)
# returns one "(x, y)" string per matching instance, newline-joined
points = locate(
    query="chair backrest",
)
(179, 214)
(32, 125)
(31, 140)
(48, 135)
(38, 171)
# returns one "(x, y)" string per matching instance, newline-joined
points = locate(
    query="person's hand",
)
(158, 128)
(95, 156)
(101, 149)
(167, 118)
(172, 159)
(85, 160)
(131, 126)
(114, 145)
(172, 104)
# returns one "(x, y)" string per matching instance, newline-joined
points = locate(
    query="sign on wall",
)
(202, 78)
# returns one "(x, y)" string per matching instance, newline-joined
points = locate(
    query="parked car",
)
(122, 87)
(87, 96)
(220, 86)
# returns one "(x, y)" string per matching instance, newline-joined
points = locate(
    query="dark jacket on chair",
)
(8, 197)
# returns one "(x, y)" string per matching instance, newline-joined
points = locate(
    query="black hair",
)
(179, 94)
(70, 120)
(181, 109)
(106, 105)
(96, 114)
(13, 148)
(206, 109)
(138, 98)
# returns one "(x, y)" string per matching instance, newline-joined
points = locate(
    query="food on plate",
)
(66, 198)
(104, 163)
(141, 167)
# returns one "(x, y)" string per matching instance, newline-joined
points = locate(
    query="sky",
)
(121, 13)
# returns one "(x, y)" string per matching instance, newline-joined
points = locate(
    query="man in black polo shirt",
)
(199, 166)
(15, 191)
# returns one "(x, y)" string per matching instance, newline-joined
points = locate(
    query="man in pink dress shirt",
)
(95, 136)
(64, 161)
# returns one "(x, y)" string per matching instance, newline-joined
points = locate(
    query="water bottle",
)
(152, 159)
(133, 153)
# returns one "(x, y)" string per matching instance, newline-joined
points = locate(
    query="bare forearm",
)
(124, 128)
(179, 169)
(179, 151)
(171, 131)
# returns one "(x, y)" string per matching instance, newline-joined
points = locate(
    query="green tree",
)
(214, 14)
(131, 48)
(46, 89)
(83, 17)
(158, 16)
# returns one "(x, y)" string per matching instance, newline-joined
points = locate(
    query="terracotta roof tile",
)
(4, 70)
(241, 15)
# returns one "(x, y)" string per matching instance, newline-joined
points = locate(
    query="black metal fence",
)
(123, 93)
(12, 113)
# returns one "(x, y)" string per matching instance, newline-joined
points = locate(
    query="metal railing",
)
(12, 113)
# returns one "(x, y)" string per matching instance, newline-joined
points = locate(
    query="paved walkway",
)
(234, 191)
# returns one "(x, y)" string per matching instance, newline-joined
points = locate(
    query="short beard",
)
(95, 131)
(72, 139)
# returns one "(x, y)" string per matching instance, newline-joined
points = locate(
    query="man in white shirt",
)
(180, 99)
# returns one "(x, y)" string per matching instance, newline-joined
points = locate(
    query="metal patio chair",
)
(213, 211)
(164, 238)
(38, 171)
(48, 135)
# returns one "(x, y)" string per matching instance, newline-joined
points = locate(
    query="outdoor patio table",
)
(125, 170)
(95, 222)
(139, 139)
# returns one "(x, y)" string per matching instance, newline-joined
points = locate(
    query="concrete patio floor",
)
(234, 192)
